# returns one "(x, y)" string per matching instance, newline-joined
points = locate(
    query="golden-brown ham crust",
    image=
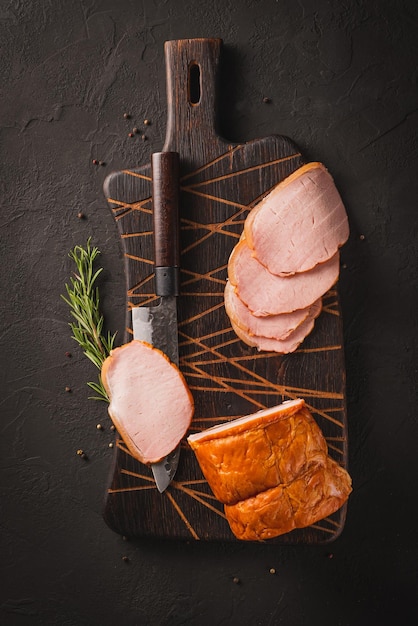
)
(319, 492)
(266, 515)
(272, 471)
(240, 461)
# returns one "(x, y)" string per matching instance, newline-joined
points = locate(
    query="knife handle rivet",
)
(272, 570)
(99, 427)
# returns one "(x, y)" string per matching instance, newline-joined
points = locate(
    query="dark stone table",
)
(340, 79)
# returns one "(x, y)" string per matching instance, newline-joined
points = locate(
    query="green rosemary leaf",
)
(94, 278)
(99, 389)
(82, 297)
(94, 358)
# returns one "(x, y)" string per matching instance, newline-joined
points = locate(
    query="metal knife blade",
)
(158, 324)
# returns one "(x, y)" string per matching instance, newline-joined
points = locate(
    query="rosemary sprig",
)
(83, 299)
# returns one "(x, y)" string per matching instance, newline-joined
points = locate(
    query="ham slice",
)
(267, 294)
(300, 223)
(277, 327)
(271, 470)
(282, 346)
(150, 402)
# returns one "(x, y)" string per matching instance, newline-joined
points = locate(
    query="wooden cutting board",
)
(220, 183)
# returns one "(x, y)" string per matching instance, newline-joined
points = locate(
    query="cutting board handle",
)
(191, 76)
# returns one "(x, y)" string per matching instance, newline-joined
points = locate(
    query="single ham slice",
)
(150, 402)
(300, 223)
(317, 493)
(282, 346)
(265, 293)
(271, 470)
(277, 327)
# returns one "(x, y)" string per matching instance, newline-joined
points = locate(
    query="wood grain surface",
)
(220, 183)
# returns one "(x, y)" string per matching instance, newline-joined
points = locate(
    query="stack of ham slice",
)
(272, 471)
(286, 260)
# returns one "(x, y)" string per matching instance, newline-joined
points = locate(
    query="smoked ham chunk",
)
(243, 457)
(271, 470)
(317, 493)
(265, 293)
(300, 223)
(250, 454)
(150, 402)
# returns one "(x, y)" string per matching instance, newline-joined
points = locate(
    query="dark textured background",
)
(342, 78)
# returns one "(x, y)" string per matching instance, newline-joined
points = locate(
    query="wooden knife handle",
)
(165, 200)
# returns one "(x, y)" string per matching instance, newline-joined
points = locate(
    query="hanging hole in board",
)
(194, 83)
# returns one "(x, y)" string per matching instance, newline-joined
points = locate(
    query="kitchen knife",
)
(158, 324)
